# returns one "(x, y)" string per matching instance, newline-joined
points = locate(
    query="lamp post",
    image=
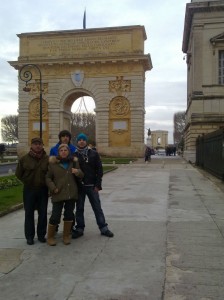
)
(26, 76)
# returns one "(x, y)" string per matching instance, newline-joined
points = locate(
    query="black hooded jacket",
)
(91, 166)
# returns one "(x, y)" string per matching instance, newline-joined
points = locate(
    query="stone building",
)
(203, 44)
(107, 64)
(159, 139)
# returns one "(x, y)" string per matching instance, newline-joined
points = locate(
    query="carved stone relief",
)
(35, 88)
(119, 85)
(35, 108)
(120, 106)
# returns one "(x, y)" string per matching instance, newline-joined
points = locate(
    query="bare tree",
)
(179, 121)
(86, 123)
(9, 128)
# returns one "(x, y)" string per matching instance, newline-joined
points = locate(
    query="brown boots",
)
(66, 233)
(50, 235)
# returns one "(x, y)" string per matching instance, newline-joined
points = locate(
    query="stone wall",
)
(203, 40)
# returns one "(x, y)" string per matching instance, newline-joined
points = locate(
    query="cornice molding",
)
(193, 8)
(145, 60)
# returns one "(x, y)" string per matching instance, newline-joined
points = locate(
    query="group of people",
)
(68, 174)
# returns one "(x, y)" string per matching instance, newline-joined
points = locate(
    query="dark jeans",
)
(94, 200)
(68, 206)
(148, 158)
(35, 199)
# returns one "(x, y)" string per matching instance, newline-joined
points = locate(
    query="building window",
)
(221, 67)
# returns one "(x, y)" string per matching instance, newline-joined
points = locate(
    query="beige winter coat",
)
(62, 179)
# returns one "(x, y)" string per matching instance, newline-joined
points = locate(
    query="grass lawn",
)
(10, 197)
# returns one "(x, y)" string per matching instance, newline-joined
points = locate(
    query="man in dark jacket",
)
(91, 165)
(31, 170)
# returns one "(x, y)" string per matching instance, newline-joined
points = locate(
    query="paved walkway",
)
(168, 221)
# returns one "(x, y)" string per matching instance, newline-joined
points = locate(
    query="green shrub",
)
(7, 182)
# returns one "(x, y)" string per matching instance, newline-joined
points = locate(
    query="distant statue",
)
(149, 132)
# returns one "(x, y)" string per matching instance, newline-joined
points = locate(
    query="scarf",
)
(37, 155)
(84, 152)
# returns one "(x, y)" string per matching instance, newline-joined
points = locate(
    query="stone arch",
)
(159, 139)
(66, 103)
(70, 96)
(107, 64)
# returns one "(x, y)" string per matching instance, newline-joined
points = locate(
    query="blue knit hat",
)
(81, 136)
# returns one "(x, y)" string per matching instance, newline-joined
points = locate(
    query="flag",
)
(84, 20)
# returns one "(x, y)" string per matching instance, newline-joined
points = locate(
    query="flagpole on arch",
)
(84, 19)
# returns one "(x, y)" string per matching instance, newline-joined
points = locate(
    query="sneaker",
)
(76, 234)
(29, 241)
(108, 233)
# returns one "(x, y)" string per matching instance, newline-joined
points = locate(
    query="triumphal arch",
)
(107, 64)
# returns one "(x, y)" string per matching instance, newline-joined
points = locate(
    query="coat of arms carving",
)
(77, 78)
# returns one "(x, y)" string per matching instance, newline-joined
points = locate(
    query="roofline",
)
(193, 8)
(79, 31)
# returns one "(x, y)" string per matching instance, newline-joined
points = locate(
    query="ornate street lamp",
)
(26, 76)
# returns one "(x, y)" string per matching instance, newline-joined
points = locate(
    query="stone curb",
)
(11, 209)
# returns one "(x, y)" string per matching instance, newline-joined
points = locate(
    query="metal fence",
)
(210, 152)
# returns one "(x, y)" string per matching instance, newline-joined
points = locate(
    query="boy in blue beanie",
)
(91, 165)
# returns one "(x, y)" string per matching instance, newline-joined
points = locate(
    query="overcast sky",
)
(165, 89)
